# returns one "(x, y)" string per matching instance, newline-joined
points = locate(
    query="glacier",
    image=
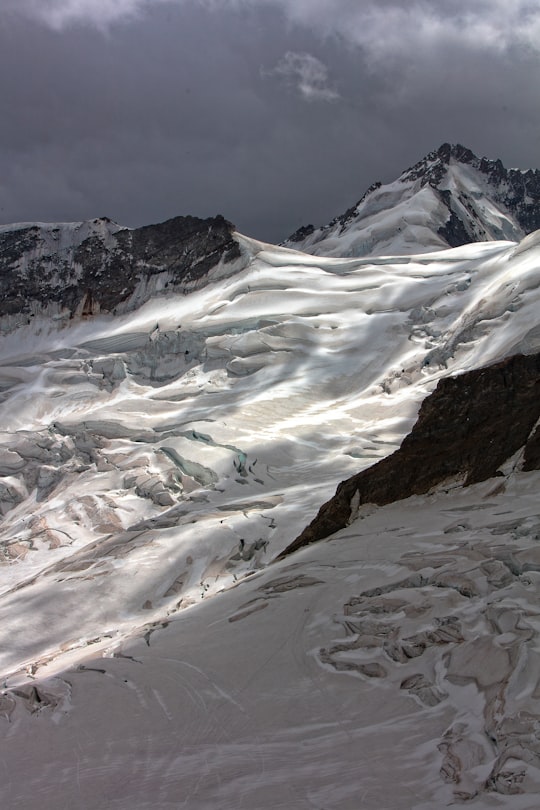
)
(154, 464)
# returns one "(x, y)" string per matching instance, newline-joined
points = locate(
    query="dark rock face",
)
(432, 168)
(454, 231)
(468, 427)
(95, 266)
(302, 233)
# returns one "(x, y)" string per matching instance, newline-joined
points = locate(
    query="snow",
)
(154, 465)
(259, 697)
(404, 217)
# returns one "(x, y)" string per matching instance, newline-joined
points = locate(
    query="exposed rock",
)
(91, 267)
(454, 231)
(466, 429)
(301, 233)
(531, 459)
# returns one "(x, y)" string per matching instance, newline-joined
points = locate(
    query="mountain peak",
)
(448, 198)
(432, 168)
(455, 150)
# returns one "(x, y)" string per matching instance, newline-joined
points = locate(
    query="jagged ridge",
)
(447, 199)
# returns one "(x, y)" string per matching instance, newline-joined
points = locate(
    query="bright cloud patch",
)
(307, 74)
(60, 13)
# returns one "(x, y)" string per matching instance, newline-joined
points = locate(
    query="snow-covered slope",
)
(447, 199)
(154, 464)
(395, 666)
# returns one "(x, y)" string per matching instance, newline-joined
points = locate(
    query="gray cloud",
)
(399, 27)
(380, 26)
(144, 109)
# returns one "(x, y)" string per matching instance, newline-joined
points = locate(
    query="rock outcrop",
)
(466, 429)
(89, 267)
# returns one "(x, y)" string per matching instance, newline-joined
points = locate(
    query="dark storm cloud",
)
(273, 113)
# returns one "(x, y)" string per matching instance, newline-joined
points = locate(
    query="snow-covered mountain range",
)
(447, 199)
(182, 623)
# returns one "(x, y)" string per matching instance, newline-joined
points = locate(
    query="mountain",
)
(447, 199)
(181, 622)
(83, 268)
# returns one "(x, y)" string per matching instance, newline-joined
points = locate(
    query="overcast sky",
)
(274, 113)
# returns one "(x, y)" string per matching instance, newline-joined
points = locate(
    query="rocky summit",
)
(447, 199)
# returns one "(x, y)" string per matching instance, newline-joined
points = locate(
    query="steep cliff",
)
(466, 430)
